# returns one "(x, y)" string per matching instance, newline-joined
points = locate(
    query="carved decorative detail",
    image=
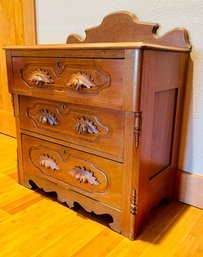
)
(87, 77)
(40, 77)
(48, 162)
(137, 129)
(83, 175)
(80, 80)
(71, 169)
(66, 118)
(85, 126)
(47, 117)
(133, 206)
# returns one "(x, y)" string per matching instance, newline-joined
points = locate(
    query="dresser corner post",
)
(131, 176)
(135, 225)
(16, 110)
(133, 213)
(134, 59)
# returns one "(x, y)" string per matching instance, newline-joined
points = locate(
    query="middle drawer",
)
(95, 129)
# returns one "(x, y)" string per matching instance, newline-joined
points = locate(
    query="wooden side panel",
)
(167, 71)
(161, 105)
(163, 126)
(16, 18)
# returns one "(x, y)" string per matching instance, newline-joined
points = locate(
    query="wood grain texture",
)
(163, 126)
(17, 27)
(34, 225)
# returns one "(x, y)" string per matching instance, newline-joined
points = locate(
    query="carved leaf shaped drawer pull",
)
(40, 77)
(81, 80)
(83, 175)
(47, 117)
(48, 162)
(86, 126)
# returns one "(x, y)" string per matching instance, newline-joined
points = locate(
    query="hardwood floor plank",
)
(10, 196)
(100, 245)
(4, 216)
(120, 250)
(192, 245)
(74, 239)
(177, 233)
(22, 203)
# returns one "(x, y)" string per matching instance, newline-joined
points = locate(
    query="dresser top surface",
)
(98, 46)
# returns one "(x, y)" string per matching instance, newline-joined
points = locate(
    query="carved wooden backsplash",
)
(125, 27)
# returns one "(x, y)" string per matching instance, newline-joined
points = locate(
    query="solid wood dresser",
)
(98, 120)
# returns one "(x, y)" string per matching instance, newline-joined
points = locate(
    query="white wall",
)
(57, 19)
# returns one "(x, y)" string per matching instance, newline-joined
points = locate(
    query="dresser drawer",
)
(97, 82)
(92, 176)
(92, 128)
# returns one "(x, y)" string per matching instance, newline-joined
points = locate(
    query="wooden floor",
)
(34, 225)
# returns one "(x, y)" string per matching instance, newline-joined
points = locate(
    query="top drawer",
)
(95, 82)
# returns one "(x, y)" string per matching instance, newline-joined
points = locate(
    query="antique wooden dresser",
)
(98, 120)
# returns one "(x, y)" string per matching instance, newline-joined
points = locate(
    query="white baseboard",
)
(190, 188)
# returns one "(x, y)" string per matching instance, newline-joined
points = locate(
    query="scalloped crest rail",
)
(98, 120)
(125, 27)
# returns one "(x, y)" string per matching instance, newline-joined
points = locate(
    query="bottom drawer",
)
(90, 175)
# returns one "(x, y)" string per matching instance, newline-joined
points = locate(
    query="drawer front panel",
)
(89, 81)
(96, 129)
(93, 176)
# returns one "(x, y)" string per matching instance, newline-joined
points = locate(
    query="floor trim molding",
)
(190, 188)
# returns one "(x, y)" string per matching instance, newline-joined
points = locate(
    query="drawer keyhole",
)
(65, 152)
